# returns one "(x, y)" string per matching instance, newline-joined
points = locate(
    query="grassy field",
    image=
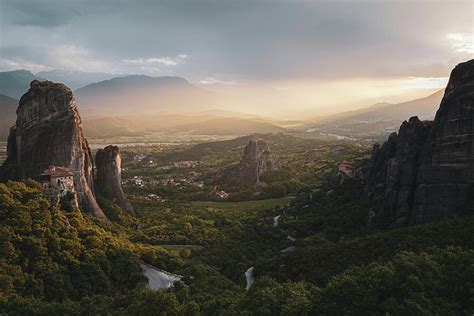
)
(244, 206)
(160, 138)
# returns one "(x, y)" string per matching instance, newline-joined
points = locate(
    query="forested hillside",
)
(64, 262)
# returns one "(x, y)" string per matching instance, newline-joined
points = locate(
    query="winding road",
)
(158, 279)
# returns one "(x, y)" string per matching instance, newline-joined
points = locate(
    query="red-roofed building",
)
(58, 180)
(346, 168)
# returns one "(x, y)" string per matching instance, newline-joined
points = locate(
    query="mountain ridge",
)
(8, 108)
(425, 106)
(75, 79)
(15, 83)
(143, 93)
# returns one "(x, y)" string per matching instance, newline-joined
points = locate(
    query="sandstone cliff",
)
(109, 181)
(256, 160)
(427, 170)
(48, 132)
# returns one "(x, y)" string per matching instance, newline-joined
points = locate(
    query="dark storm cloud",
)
(240, 39)
(39, 13)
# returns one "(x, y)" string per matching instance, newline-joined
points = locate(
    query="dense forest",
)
(321, 258)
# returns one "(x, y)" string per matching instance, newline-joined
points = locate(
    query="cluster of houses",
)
(191, 179)
(154, 197)
(57, 181)
(139, 157)
(142, 158)
(186, 164)
(180, 184)
(178, 164)
(138, 181)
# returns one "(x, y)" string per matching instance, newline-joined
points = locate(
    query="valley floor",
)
(320, 258)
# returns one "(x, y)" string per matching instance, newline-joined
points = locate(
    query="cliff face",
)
(109, 180)
(48, 132)
(446, 172)
(9, 168)
(427, 170)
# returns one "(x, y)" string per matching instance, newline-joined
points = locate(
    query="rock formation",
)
(256, 160)
(109, 180)
(48, 132)
(427, 170)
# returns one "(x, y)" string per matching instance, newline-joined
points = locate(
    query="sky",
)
(295, 56)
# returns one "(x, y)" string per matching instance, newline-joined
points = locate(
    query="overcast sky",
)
(240, 42)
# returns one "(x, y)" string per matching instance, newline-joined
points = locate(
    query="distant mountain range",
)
(8, 115)
(139, 93)
(107, 94)
(375, 122)
(137, 104)
(15, 83)
(75, 79)
(424, 108)
(116, 107)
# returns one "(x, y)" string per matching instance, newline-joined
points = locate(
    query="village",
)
(177, 176)
(147, 177)
(160, 175)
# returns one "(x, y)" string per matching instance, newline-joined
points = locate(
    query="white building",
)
(58, 180)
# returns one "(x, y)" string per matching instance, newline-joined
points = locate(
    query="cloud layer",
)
(239, 40)
(279, 55)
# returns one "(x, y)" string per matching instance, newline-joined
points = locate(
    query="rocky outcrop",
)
(48, 132)
(427, 170)
(109, 180)
(256, 160)
(393, 176)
